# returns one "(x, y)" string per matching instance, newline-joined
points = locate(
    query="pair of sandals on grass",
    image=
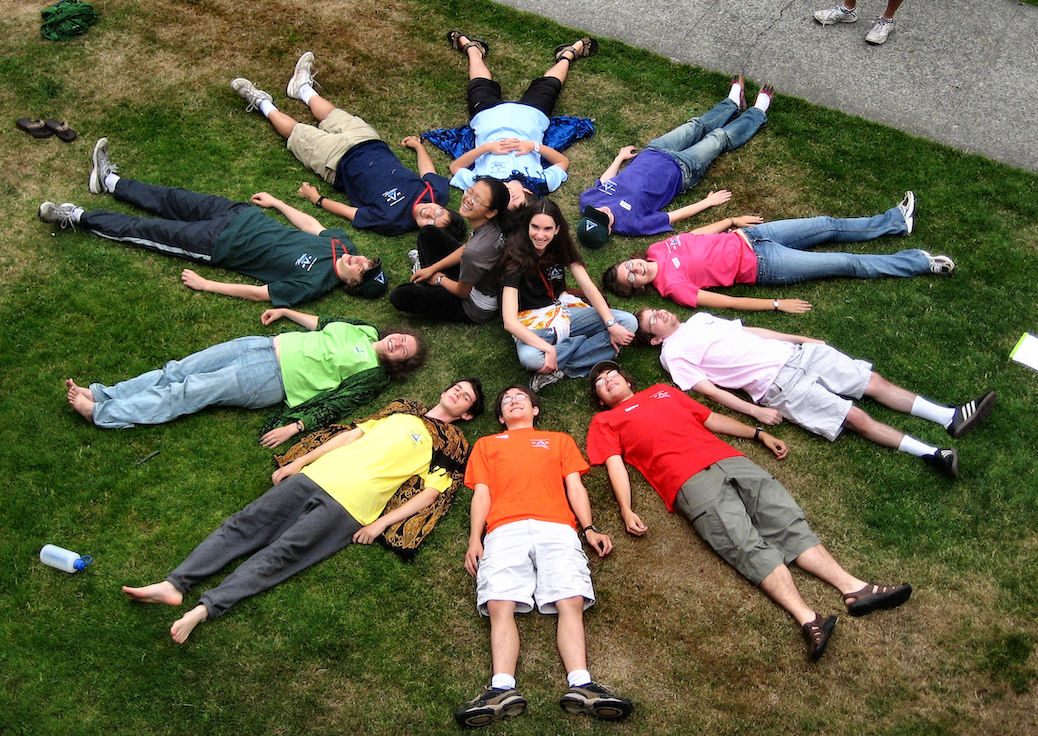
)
(588, 47)
(873, 597)
(46, 128)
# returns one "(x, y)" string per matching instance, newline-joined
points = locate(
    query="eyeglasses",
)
(514, 398)
(475, 200)
(631, 276)
(653, 319)
(605, 376)
(464, 394)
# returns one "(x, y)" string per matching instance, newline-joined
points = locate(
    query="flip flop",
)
(35, 128)
(61, 129)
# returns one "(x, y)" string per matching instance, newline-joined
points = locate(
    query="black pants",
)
(428, 300)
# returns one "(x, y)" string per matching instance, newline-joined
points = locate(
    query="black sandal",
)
(590, 48)
(35, 128)
(874, 597)
(454, 39)
(816, 634)
(61, 129)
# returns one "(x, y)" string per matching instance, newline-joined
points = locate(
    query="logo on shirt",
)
(392, 196)
(676, 262)
(306, 261)
(542, 444)
(625, 204)
(416, 438)
(607, 187)
(632, 407)
(555, 273)
(661, 395)
(673, 243)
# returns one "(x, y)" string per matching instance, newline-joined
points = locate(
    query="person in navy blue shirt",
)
(345, 151)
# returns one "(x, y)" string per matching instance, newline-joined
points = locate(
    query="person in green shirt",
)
(321, 376)
(297, 263)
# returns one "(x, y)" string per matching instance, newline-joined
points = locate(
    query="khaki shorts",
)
(746, 516)
(320, 148)
(810, 388)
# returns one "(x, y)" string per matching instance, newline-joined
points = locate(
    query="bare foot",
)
(82, 400)
(163, 592)
(184, 625)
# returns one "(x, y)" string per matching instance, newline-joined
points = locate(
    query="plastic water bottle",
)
(63, 559)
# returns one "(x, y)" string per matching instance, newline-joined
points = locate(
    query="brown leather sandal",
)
(589, 48)
(816, 634)
(35, 128)
(874, 597)
(61, 129)
(454, 39)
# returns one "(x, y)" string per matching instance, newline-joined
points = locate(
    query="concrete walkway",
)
(962, 72)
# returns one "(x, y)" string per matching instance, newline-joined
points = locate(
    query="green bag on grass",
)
(67, 18)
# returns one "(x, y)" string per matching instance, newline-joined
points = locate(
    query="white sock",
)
(110, 181)
(926, 409)
(763, 101)
(502, 682)
(266, 106)
(735, 94)
(306, 92)
(576, 678)
(77, 214)
(915, 448)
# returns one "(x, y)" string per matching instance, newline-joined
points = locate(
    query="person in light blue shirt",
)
(509, 135)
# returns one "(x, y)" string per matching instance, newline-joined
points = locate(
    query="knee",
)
(626, 319)
(857, 420)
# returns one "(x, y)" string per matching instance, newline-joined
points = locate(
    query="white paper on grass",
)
(1026, 351)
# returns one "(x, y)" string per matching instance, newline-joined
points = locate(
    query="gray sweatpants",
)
(289, 528)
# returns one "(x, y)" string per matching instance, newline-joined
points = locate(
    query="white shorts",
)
(809, 389)
(533, 561)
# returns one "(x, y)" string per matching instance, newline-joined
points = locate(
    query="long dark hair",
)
(520, 255)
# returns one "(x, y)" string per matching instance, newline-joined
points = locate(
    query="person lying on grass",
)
(528, 497)
(298, 264)
(322, 376)
(629, 200)
(746, 250)
(736, 507)
(509, 136)
(799, 378)
(386, 196)
(321, 502)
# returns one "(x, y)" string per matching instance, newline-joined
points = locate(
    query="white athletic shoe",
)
(907, 207)
(65, 214)
(103, 166)
(836, 14)
(942, 265)
(249, 93)
(303, 75)
(412, 256)
(879, 33)
(543, 380)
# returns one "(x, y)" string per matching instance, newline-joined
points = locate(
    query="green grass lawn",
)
(369, 644)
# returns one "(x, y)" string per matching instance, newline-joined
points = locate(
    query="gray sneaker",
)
(65, 214)
(879, 33)
(543, 380)
(249, 93)
(412, 256)
(907, 207)
(103, 166)
(492, 705)
(596, 700)
(303, 74)
(836, 14)
(942, 265)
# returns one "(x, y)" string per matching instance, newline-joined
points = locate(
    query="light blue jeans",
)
(587, 344)
(243, 372)
(695, 144)
(781, 258)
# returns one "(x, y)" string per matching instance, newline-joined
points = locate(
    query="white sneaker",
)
(249, 93)
(303, 75)
(102, 167)
(836, 14)
(907, 208)
(65, 214)
(543, 380)
(942, 265)
(879, 33)
(412, 256)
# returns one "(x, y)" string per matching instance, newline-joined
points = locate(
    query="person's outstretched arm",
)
(620, 480)
(725, 398)
(368, 534)
(192, 280)
(578, 499)
(309, 192)
(306, 223)
(270, 316)
(729, 222)
(711, 200)
(713, 300)
(340, 440)
(626, 154)
(719, 423)
(479, 509)
(425, 163)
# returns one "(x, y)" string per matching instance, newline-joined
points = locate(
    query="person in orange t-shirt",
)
(528, 496)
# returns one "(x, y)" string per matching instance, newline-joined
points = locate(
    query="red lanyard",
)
(432, 198)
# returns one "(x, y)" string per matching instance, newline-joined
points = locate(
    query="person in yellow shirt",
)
(321, 502)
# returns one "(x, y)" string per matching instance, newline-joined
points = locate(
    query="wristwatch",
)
(609, 323)
(775, 304)
(592, 527)
(439, 279)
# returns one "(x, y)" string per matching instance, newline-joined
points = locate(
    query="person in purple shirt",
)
(630, 200)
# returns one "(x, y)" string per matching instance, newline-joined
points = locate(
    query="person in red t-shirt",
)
(742, 512)
(527, 494)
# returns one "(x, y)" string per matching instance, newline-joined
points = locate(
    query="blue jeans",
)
(695, 144)
(243, 372)
(587, 344)
(781, 258)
